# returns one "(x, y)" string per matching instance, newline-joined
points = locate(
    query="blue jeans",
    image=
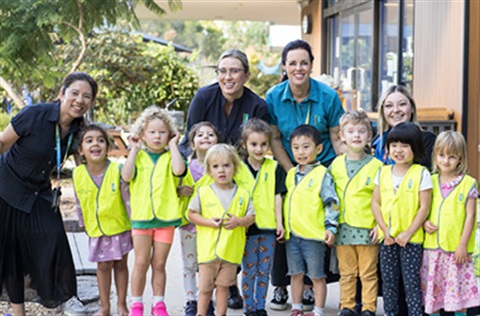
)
(306, 256)
(256, 265)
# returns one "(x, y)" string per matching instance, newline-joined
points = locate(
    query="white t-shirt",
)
(425, 184)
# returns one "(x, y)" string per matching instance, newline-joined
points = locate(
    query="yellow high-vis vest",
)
(153, 190)
(104, 213)
(355, 193)
(303, 208)
(262, 190)
(449, 215)
(221, 243)
(399, 209)
(183, 201)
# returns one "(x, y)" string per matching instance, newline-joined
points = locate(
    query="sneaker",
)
(279, 301)
(210, 309)
(296, 312)
(367, 313)
(251, 313)
(159, 309)
(136, 309)
(235, 300)
(308, 299)
(191, 308)
(262, 312)
(347, 312)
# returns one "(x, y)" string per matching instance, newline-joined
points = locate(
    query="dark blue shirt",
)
(208, 105)
(26, 167)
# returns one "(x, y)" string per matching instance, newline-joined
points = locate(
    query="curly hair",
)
(149, 114)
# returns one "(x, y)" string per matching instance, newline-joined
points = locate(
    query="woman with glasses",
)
(226, 104)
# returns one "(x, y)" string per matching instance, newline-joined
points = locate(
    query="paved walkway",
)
(175, 293)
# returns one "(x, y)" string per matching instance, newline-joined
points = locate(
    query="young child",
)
(311, 217)
(153, 174)
(202, 136)
(221, 211)
(400, 205)
(448, 279)
(265, 180)
(100, 195)
(354, 173)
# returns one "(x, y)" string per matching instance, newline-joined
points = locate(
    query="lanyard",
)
(59, 150)
(307, 119)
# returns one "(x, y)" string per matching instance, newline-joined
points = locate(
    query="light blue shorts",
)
(306, 257)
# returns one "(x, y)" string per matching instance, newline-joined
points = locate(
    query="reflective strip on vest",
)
(304, 213)
(103, 211)
(221, 243)
(449, 215)
(355, 193)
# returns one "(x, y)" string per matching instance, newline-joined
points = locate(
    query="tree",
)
(131, 75)
(30, 28)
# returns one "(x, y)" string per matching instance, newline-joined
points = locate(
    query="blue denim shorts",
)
(306, 257)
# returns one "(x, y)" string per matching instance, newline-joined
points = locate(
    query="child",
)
(354, 173)
(153, 175)
(400, 205)
(101, 210)
(265, 179)
(448, 279)
(311, 217)
(221, 211)
(202, 136)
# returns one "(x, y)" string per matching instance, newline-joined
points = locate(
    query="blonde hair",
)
(355, 117)
(451, 143)
(222, 151)
(382, 124)
(149, 114)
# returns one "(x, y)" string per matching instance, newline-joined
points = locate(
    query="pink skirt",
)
(447, 285)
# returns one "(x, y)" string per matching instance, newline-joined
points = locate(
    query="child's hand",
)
(215, 222)
(403, 238)
(461, 255)
(175, 138)
(134, 142)
(389, 240)
(329, 238)
(184, 190)
(280, 233)
(429, 227)
(374, 235)
(231, 222)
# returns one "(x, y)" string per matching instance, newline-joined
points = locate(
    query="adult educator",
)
(302, 100)
(226, 104)
(32, 238)
(395, 106)
(298, 100)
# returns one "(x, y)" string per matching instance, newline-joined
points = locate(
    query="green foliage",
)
(131, 75)
(4, 120)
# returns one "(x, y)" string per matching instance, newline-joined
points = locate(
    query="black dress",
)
(34, 249)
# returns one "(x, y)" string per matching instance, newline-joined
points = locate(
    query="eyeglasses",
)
(222, 72)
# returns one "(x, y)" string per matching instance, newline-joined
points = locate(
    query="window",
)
(369, 47)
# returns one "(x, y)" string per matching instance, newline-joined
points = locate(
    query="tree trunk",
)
(11, 93)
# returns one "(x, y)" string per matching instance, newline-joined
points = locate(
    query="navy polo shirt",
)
(26, 167)
(208, 105)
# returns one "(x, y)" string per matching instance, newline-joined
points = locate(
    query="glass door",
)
(351, 55)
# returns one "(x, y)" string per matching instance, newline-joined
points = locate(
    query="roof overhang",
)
(281, 12)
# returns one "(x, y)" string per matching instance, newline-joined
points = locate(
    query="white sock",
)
(137, 299)
(297, 306)
(157, 299)
(318, 311)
